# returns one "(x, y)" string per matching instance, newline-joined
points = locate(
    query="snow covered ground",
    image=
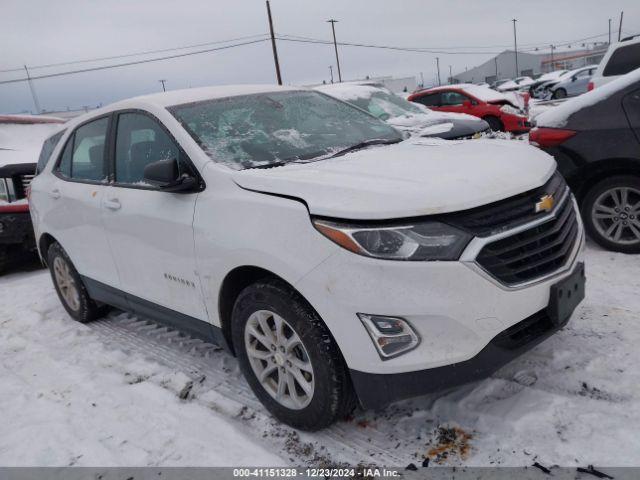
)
(124, 391)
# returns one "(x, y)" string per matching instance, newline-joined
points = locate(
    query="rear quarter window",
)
(623, 60)
(48, 147)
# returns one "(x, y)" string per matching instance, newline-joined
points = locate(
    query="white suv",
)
(337, 262)
(620, 59)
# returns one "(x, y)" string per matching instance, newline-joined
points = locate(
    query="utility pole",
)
(335, 46)
(495, 60)
(620, 27)
(609, 31)
(421, 80)
(331, 71)
(515, 44)
(33, 91)
(162, 82)
(438, 67)
(273, 45)
(552, 62)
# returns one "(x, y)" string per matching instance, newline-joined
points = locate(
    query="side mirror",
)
(165, 175)
(466, 104)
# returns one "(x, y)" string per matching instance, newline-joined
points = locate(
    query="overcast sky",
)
(38, 32)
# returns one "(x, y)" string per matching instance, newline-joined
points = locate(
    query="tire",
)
(78, 305)
(494, 123)
(331, 394)
(559, 93)
(599, 213)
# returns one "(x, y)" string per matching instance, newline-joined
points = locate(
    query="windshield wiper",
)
(365, 144)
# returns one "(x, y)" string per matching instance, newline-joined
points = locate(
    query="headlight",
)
(511, 110)
(423, 240)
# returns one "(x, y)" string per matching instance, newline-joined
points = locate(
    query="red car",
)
(495, 108)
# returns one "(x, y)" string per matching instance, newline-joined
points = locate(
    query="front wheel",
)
(289, 358)
(494, 123)
(611, 210)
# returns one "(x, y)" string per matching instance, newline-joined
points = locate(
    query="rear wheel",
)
(494, 123)
(71, 291)
(611, 210)
(559, 93)
(289, 358)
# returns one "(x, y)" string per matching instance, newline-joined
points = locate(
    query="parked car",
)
(620, 59)
(595, 139)
(20, 139)
(415, 119)
(501, 113)
(335, 260)
(572, 83)
(515, 84)
(497, 83)
(538, 89)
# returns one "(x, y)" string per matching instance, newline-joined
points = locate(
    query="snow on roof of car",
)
(551, 75)
(485, 94)
(189, 95)
(557, 117)
(349, 91)
(571, 73)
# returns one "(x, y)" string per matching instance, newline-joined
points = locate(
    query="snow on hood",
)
(21, 143)
(557, 117)
(410, 121)
(412, 178)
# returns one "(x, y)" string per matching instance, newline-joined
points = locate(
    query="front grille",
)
(506, 214)
(535, 252)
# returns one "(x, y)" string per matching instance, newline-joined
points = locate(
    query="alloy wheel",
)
(66, 283)
(616, 215)
(279, 359)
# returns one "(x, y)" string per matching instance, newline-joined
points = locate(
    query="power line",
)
(137, 62)
(135, 54)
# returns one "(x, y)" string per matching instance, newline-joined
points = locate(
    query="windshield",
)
(277, 127)
(385, 105)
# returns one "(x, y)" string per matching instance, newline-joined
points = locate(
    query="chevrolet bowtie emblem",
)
(545, 204)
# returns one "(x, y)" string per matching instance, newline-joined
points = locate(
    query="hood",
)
(439, 124)
(412, 178)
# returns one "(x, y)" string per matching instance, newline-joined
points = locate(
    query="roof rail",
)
(630, 37)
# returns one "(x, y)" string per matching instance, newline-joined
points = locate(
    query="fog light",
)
(392, 336)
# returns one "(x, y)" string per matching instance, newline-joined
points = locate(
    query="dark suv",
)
(595, 139)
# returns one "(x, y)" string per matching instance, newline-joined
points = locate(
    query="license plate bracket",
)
(566, 295)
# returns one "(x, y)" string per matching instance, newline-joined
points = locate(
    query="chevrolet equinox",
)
(339, 263)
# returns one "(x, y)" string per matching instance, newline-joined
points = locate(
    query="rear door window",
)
(430, 100)
(48, 147)
(453, 98)
(88, 159)
(623, 60)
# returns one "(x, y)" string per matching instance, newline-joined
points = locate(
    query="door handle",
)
(113, 204)
(55, 193)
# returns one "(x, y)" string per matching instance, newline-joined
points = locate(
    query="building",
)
(575, 59)
(530, 64)
(502, 66)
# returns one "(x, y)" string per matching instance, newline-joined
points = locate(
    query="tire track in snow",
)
(224, 389)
